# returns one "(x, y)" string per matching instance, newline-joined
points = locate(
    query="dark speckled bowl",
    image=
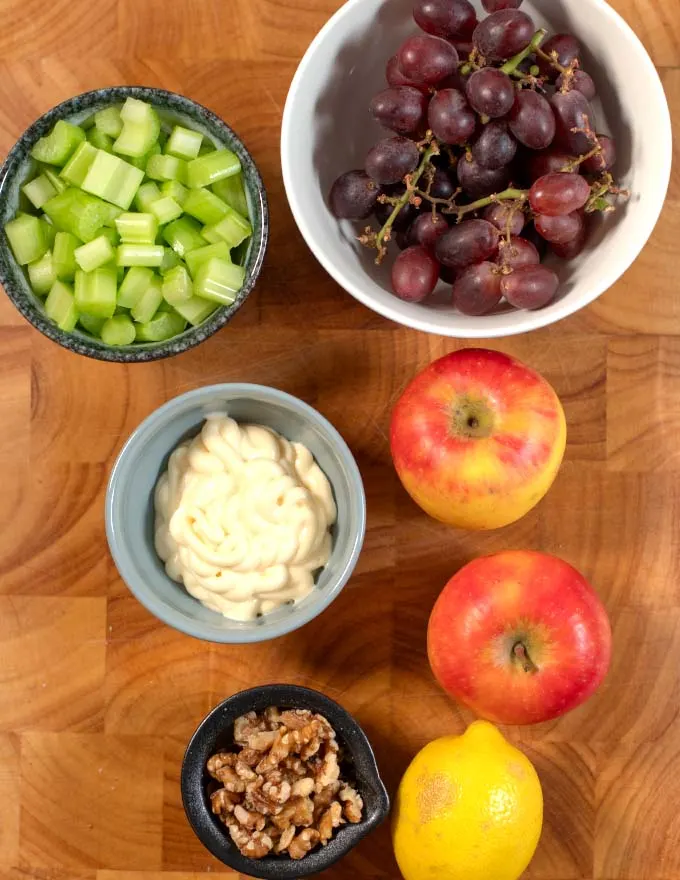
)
(173, 108)
(215, 733)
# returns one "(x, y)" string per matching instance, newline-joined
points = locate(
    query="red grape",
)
(402, 109)
(446, 18)
(477, 290)
(530, 287)
(505, 218)
(517, 252)
(603, 161)
(532, 121)
(463, 47)
(548, 162)
(427, 229)
(442, 185)
(572, 248)
(497, 5)
(503, 34)
(567, 49)
(495, 147)
(391, 159)
(448, 275)
(395, 77)
(427, 60)
(559, 230)
(490, 92)
(469, 242)
(353, 196)
(573, 117)
(479, 182)
(415, 274)
(559, 193)
(581, 82)
(451, 118)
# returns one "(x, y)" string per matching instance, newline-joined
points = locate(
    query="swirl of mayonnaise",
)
(243, 518)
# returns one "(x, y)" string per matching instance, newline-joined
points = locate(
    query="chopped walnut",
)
(303, 787)
(352, 804)
(250, 757)
(252, 844)
(285, 840)
(303, 843)
(217, 762)
(223, 802)
(249, 818)
(330, 820)
(295, 719)
(279, 794)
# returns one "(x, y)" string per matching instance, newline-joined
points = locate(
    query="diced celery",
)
(195, 259)
(140, 255)
(147, 194)
(135, 283)
(108, 121)
(165, 307)
(164, 167)
(177, 286)
(175, 190)
(41, 274)
(59, 145)
(61, 307)
(207, 169)
(134, 110)
(163, 325)
(184, 143)
(39, 190)
(75, 170)
(165, 210)
(112, 236)
(27, 238)
(207, 147)
(63, 256)
(49, 231)
(232, 191)
(141, 128)
(170, 260)
(113, 179)
(137, 228)
(100, 140)
(94, 254)
(56, 181)
(143, 161)
(96, 292)
(91, 324)
(232, 228)
(113, 214)
(219, 281)
(118, 330)
(79, 213)
(147, 305)
(205, 206)
(196, 310)
(183, 235)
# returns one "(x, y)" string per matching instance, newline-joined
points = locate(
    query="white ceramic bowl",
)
(327, 130)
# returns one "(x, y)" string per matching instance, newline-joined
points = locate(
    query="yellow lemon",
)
(469, 807)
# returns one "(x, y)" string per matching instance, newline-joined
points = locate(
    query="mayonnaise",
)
(243, 518)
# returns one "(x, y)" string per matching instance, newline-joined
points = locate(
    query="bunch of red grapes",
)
(494, 162)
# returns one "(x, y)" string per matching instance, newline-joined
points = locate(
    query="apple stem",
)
(520, 653)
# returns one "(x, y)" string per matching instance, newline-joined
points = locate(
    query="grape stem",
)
(517, 195)
(513, 63)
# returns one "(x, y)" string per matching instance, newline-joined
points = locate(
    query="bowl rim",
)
(531, 320)
(145, 352)
(113, 515)
(201, 818)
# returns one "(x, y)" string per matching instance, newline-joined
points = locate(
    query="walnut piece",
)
(331, 819)
(303, 843)
(352, 804)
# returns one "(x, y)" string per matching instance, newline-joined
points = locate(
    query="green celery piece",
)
(75, 170)
(205, 206)
(113, 213)
(94, 254)
(207, 147)
(112, 236)
(41, 274)
(196, 310)
(27, 238)
(135, 283)
(100, 140)
(118, 330)
(108, 121)
(165, 210)
(136, 111)
(195, 259)
(113, 179)
(141, 128)
(174, 190)
(49, 231)
(63, 256)
(147, 305)
(61, 307)
(232, 191)
(184, 143)
(170, 260)
(177, 286)
(39, 190)
(232, 228)
(183, 235)
(138, 228)
(78, 212)
(219, 281)
(162, 167)
(59, 145)
(54, 179)
(163, 325)
(91, 324)
(165, 307)
(140, 255)
(143, 161)
(95, 292)
(207, 169)
(147, 194)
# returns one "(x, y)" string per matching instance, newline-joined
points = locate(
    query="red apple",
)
(519, 637)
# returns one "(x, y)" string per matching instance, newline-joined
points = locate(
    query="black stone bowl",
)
(215, 733)
(173, 109)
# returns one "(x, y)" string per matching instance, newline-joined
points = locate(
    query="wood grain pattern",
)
(98, 699)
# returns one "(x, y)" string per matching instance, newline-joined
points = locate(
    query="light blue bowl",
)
(130, 517)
